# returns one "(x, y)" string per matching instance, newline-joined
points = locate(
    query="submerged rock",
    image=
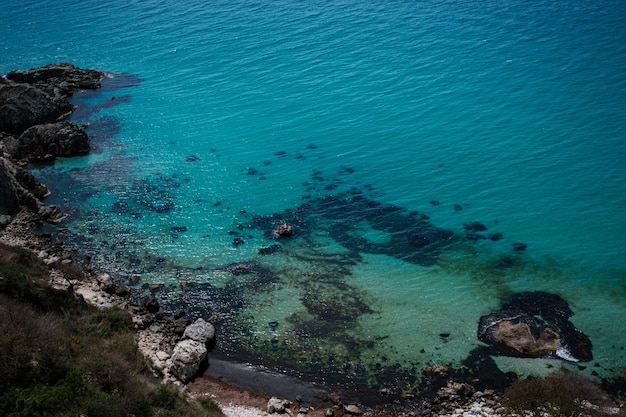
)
(534, 324)
(284, 230)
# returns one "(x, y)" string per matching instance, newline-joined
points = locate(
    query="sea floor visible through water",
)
(433, 159)
(363, 295)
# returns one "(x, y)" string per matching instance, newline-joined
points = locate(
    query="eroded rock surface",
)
(534, 324)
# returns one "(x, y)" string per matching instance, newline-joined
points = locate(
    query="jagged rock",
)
(29, 98)
(151, 304)
(122, 291)
(24, 105)
(47, 141)
(186, 359)
(19, 189)
(9, 203)
(180, 325)
(284, 230)
(200, 331)
(63, 76)
(277, 405)
(51, 214)
(104, 279)
(436, 369)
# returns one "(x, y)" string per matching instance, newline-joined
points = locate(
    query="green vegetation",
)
(60, 357)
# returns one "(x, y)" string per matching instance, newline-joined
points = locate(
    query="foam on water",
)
(220, 121)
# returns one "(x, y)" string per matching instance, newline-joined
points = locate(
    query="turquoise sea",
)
(387, 133)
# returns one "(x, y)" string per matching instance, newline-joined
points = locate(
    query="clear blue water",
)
(512, 114)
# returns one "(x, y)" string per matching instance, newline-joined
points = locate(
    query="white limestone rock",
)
(186, 359)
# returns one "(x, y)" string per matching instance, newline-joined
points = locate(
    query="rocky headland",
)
(34, 106)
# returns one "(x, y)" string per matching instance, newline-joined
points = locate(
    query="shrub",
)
(560, 394)
(33, 347)
(59, 356)
(24, 277)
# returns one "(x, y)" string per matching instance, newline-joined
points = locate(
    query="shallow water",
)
(222, 121)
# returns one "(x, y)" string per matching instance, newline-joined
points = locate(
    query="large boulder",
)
(534, 324)
(200, 331)
(187, 358)
(46, 141)
(519, 337)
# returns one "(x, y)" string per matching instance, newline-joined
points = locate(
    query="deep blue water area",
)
(433, 158)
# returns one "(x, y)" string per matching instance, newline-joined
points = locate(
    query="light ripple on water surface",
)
(512, 112)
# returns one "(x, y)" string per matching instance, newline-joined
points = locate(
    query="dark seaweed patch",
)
(475, 227)
(519, 247)
(414, 240)
(474, 237)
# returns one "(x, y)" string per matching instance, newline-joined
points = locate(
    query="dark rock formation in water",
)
(24, 105)
(534, 324)
(19, 189)
(63, 76)
(410, 238)
(40, 95)
(47, 141)
(32, 106)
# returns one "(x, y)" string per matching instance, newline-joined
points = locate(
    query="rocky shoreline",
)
(34, 106)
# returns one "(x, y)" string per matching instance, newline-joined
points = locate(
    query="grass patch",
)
(59, 356)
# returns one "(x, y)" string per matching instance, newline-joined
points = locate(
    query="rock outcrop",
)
(534, 324)
(47, 141)
(19, 189)
(24, 105)
(64, 77)
(40, 95)
(190, 353)
(32, 106)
